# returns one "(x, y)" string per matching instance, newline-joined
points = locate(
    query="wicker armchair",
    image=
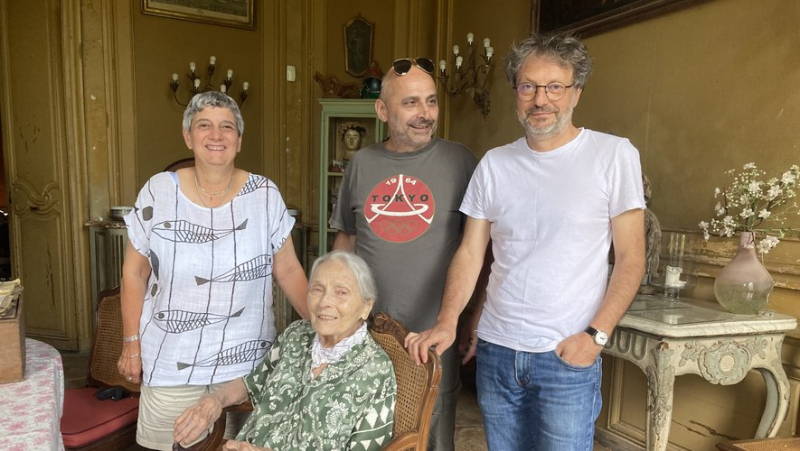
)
(88, 423)
(417, 387)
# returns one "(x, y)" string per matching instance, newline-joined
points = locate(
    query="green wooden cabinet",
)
(346, 125)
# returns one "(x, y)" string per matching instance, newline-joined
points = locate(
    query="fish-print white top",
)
(207, 315)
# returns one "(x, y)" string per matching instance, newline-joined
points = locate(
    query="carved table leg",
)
(777, 399)
(660, 385)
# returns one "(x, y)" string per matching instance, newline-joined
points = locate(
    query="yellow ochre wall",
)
(163, 46)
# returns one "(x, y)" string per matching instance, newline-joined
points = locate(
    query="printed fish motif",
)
(154, 290)
(183, 231)
(249, 270)
(253, 183)
(177, 321)
(248, 351)
(154, 262)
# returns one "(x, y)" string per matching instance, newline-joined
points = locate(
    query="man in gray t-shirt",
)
(398, 209)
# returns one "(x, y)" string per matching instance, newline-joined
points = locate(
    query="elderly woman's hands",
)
(197, 419)
(233, 445)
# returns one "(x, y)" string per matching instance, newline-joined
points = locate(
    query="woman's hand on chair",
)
(197, 419)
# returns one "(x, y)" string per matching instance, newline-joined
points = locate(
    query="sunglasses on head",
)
(403, 65)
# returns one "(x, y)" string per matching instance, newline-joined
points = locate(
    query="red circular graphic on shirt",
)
(400, 208)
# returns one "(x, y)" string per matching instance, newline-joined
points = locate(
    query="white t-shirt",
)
(550, 215)
(207, 315)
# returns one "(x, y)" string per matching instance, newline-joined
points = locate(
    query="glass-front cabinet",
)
(346, 126)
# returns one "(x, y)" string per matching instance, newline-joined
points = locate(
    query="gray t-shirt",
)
(403, 209)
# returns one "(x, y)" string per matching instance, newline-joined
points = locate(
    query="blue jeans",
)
(536, 401)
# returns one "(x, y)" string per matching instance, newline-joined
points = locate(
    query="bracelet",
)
(132, 356)
(131, 338)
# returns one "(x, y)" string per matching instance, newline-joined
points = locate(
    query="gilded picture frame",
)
(588, 17)
(231, 13)
(359, 39)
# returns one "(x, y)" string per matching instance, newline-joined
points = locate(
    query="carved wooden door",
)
(42, 152)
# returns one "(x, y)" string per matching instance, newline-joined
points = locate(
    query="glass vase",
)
(744, 285)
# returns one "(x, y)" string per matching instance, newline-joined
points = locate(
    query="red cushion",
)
(87, 419)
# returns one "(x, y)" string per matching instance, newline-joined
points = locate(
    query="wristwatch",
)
(600, 338)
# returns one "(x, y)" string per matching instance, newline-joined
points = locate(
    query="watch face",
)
(601, 338)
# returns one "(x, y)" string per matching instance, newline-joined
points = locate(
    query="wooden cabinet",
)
(346, 125)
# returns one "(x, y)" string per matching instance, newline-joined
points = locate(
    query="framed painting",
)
(230, 13)
(587, 17)
(359, 35)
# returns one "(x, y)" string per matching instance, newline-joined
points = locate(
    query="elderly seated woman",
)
(324, 385)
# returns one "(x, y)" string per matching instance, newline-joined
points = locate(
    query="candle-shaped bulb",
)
(442, 65)
(470, 38)
(197, 83)
(455, 50)
(175, 77)
(230, 74)
(459, 60)
(486, 42)
(489, 52)
(192, 66)
(212, 61)
(223, 88)
(245, 86)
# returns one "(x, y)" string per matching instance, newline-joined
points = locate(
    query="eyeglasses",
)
(403, 65)
(554, 91)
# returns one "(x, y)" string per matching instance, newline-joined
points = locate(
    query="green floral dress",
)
(348, 406)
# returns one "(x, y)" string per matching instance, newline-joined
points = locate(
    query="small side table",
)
(667, 339)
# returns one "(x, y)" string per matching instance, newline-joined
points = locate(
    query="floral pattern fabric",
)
(30, 410)
(348, 406)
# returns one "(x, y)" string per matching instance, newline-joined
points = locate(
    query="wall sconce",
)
(469, 76)
(196, 82)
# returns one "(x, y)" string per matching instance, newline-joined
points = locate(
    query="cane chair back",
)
(417, 385)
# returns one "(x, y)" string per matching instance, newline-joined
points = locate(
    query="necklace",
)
(200, 188)
(219, 193)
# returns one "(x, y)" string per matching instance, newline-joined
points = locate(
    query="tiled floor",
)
(469, 425)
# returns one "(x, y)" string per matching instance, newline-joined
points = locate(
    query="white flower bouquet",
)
(754, 203)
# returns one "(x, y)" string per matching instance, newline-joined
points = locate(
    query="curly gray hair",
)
(567, 50)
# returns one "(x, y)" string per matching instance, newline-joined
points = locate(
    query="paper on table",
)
(9, 292)
(8, 286)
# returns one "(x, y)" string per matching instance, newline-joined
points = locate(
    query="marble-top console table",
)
(667, 339)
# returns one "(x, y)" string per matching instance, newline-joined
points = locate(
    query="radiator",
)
(107, 242)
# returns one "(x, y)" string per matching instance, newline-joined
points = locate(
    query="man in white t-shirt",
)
(552, 204)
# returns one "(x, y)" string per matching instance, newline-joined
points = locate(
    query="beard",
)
(562, 120)
(411, 140)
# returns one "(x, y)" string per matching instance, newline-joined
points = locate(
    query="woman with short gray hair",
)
(204, 245)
